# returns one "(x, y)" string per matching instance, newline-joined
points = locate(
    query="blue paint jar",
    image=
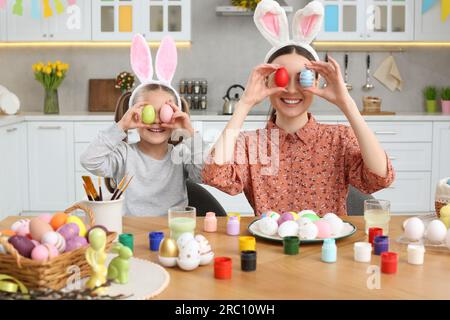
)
(329, 251)
(155, 239)
(307, 78)
(380, 245)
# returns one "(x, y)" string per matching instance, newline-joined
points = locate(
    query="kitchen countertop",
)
(208, 116)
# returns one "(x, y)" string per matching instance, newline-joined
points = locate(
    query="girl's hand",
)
(256, 89)
(180, 120)
(336, 92)
(132, 119)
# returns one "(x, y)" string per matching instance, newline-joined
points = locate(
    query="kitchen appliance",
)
(230, 102)
(368, 85)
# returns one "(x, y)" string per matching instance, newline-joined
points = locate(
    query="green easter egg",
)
(311, 217)
(148, 114)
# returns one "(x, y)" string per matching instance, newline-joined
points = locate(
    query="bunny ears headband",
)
(142, 65)
(271, 20)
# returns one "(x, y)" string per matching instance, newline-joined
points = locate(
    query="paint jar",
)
(155, 239)
(247, 243)
(329, 251)
(416, 254)
(248, 260)
(291, 245)
(223, 268)
(127, 239)
(233, 226)
(362, 251)
(389, 262)
(380, 245)
(210, 222)
(374, 232)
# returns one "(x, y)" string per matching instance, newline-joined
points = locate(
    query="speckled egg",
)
(436, 231)
(324, 229)
(268, 226)
(69, 231)
(288, 229)
(307, 78)
(23, 245)
(38, 228)
(308, 232)
(76, 243)
(414, 229)
(183, 240)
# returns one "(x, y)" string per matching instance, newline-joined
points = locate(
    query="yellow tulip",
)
(48, 70)
(59, 74)
(38, 68)
(58, 62)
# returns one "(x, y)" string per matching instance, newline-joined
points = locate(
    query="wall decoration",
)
(47, 9)
(2, 4)
(74, 19)
(427, 5)
(18, 8)
(445, 9)
(35, 9)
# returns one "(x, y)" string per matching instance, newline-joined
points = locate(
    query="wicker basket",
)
(52, 274)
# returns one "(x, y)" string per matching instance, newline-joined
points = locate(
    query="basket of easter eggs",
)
(47, 251)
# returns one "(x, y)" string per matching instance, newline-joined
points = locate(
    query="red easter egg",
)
(281, 77)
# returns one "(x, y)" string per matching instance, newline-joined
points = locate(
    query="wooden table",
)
(304, 276)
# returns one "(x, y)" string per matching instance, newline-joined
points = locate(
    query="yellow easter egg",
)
(445, 211)
(79, 222)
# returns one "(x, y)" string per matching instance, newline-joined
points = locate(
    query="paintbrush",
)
(100, 189)
(119, 187)
(124, 188)
(90, 186)
(87, 193)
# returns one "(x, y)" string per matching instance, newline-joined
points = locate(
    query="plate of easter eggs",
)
(306, 224)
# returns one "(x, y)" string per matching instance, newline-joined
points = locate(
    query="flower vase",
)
(51, 103)
(431, 106)
(445, 106)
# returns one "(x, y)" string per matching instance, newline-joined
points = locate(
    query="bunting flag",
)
(428, 4)
(35, 10)
(47, 9)
(2, 4)
(445, 9)
(18, 8)
(59, 6)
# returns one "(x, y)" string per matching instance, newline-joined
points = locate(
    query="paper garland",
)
(427, 5)
(445, 7)
(17, 8)
(2, 4)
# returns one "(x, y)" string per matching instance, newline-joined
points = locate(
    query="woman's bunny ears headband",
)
(166, 64)
(271, 20)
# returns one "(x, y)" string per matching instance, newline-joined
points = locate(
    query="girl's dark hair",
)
(122, 107)
(289, 50)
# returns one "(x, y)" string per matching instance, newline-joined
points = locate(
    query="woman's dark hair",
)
(289, 50)
(122, 107)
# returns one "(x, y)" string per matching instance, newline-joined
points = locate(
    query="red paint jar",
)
(374, 232)
(222, 268)
(389, 262)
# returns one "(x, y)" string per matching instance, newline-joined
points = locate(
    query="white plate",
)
(347, 231)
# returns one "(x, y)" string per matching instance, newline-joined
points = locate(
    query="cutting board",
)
(103, 95)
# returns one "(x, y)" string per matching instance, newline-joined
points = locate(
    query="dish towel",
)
(389, 75)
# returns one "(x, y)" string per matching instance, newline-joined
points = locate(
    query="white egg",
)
(335, 222)
(191, 249)
(447, 239)
(414, 229)
(268, 226)
(303, 221)
(183, 239)
(303, 212)
(188, 264)
(404, 223)
(206, 258)
(288, 229)
(330, 216)
(308, 232)
(436, 231)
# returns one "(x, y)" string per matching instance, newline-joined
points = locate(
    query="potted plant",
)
(430, 94)
(445, 100)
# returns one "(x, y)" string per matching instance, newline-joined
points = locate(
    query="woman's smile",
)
(291, 102)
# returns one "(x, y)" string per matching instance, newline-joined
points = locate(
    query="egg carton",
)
(426, 219)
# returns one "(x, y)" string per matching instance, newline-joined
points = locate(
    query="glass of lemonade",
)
(377, 213)
(181, 220)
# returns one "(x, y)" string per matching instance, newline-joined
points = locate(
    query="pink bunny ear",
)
(141, 59)
(166, 60)
(271, 20)
(307, 22)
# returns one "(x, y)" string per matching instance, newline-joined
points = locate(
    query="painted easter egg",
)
(183, 240)
(21, 227)
(40, 253)
(148, 114)
(324, 229)
(69, 231)
(288, 229)
(268, 226)
(166, 113)
(307, 78)
(23, 245)
(287, 216)
(308, 231)
(55, 239)
(58, 220)
(281, 77)
(80, 223)
(76, 243)
(38, 228)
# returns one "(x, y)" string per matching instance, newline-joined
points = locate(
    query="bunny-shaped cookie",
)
(271, 20)
(166, 64)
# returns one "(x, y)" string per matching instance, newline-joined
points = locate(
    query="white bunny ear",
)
(166, 60)
(141, 59)
(308, 22)
(271, 20)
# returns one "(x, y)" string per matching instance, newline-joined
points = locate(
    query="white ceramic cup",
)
(416, 253)
(362, 251)
(107, 213)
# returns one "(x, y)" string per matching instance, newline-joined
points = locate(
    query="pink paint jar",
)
(233, 226)
(210, 222)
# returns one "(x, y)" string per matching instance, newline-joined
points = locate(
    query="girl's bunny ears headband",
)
(166, 64)
(271, 20)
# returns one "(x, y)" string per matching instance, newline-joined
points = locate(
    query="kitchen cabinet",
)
(441, 155)
(369, 20)
(51, 165)
(13, 168)
(58, 27)
(429, 25)
(119, 19)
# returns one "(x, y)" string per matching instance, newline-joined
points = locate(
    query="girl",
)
(160, 169)
(314, 163)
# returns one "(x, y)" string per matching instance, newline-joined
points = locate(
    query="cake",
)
(442, 194)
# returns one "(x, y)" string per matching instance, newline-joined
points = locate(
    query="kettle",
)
(230, 103)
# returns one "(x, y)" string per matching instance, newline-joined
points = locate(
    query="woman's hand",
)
(336, 92)
(132, 119)
(256, 89)
(180, 120)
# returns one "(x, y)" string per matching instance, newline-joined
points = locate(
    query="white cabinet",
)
(368, 20)
(51, 165)
(119, 20)
(13, 169)
(73, 23)
(441, 155)
(2, 25)
(429, 25)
